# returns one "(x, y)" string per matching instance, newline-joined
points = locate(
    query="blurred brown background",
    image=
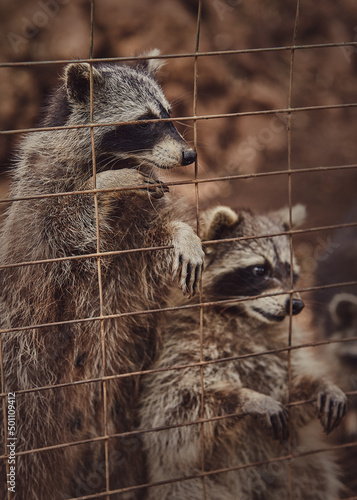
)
(60, 29)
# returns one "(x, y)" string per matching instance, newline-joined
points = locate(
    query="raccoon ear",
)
(217, 220)
(343, 309)
(151, 66)
(77, 79)
(298, 216)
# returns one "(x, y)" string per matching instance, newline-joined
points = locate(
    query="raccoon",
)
(335, 316)
(244, 393)
(66, 291)
(342, 360)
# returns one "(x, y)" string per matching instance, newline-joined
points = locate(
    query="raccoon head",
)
(253, 266)
(123, 93)
(343, 313)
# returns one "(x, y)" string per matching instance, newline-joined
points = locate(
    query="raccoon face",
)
(342, 310)
(252, 267)
(123, 94)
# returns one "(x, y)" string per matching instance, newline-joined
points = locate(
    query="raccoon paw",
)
(277, 419)
(126, 177)
(331, 404)
(188, 259)
(154, 187)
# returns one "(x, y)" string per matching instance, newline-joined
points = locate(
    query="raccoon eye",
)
(295, 275)
(261, 270)
(148, 116)
(144, 125)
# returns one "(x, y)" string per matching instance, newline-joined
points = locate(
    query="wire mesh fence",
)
(290, 174)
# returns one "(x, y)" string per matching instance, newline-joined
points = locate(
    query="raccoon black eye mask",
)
(139, 137)
(241, 282)
(250, 281)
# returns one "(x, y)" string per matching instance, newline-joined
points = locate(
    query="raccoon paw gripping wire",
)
(331, 408)
(154, 187)
(188, 261)
(277, 419)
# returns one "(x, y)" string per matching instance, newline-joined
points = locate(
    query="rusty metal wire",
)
(183, 55)
(175, 308)
(99, 263)
(188, 118)
(197, 206)
(227, 469)
(189, 365)
(190, 182)
(200, 305)
(288, 456)
(290, 332)
(157, 429)
(166, 247)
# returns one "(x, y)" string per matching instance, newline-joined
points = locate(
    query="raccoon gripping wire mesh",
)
(110, 385)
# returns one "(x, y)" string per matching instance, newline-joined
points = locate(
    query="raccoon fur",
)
(253, 389)
(335, 315)
(53, 227)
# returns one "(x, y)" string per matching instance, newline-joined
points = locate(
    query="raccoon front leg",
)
(188, 257)
(188, 254)
(224, 399)
(69, 222)
(126, 177)
(331, 402)
(270, 412)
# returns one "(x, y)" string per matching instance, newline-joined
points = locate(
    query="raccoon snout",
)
(188, 157)
(297, 307)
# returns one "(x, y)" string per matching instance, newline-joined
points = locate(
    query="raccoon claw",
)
(273, 414)
(331, 405)
(155, 188)
(188, 275)
(126, 177)
(188, 261)
(279, 422)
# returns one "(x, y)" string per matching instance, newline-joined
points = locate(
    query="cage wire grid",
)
(201, 306)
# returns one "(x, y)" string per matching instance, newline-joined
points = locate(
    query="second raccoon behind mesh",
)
(253, 388)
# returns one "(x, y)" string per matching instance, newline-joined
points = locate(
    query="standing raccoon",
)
(245, 397)
(335, 315)
(67, 291)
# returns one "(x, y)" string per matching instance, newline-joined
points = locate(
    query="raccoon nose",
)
(188, 157)
(297, 306)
